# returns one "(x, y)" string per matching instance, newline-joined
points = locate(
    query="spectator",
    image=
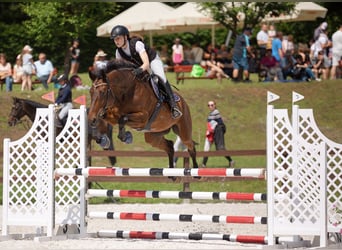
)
(306, 62)
(164, 56)
(188, 58)
(100, 60)
(262, 39)
(336, 51)
(318, 67)
(45, 71)
(64, 100)
(6, 72)
(287, 44)
(215, 133)
(287, 65)
(177, 146)
(177, 52)
(215, 69)
(324, 44)
(301, 70)
(18, 71)
(272, 67)
(241, 49)
(277, 50)
(28, 67)
(74, 57)
(320, 29)
(208, 51)
(197, 53)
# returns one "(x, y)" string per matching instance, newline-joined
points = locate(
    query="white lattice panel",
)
(304, 122)
(296, 180)
(28, 175)
(71, 153)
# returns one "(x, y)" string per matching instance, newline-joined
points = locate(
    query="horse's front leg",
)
(123, 135)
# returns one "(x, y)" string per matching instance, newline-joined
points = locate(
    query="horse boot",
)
(175, 112)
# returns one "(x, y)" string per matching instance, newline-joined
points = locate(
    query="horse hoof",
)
(128, 138)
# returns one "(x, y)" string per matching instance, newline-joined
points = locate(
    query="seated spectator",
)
(18, 70)
(272, 67)
(164, 56)
(197, 53)
(318, 66)
(287, 65)
(301, 70)
(188, 58)
(6, 72)
(215, 69)
(45, 71)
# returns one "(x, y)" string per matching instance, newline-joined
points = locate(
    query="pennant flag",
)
(271, 97)
(81, 100)
(296, 97)
(49, 96)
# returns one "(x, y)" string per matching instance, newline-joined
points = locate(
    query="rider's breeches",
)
(158, 68)
(64, 110)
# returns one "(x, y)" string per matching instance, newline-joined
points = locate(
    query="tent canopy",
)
(142, 17)
(304, 11)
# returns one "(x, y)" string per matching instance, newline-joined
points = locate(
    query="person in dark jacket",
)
(215, 133)
(134, 50)
(64, 100)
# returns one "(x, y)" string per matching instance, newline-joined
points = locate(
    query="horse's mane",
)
(119, 64)
(32, 103)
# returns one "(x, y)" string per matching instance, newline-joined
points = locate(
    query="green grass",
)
(243, 107)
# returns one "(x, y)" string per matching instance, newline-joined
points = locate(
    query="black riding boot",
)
(174, 109)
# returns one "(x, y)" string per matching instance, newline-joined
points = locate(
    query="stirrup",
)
(176, 113)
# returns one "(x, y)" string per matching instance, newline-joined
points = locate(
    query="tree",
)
(236, 15)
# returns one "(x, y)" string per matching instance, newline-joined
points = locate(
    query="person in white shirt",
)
(262, 39)
(44, 70)
(336, 51)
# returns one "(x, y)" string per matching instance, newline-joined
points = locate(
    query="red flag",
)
(81, 100)
(49, 96)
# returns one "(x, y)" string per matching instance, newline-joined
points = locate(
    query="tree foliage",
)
(235, 16)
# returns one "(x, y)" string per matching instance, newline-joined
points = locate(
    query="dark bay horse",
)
(119, 97)
(24, 107)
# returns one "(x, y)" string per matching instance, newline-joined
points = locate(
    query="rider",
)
(64, 99)
(134, 50)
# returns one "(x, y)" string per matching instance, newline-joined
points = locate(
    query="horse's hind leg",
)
(157, 140)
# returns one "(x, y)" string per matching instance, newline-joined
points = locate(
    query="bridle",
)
(109, 93)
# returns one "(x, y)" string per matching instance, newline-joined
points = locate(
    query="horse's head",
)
(17, 112)
(99, 92)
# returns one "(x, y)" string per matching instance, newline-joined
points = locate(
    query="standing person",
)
(134, 50)
(241, 49)
(177, 52)
(262, 39)
(28, 67)
(44, 70)
(336, 51)
(6, 72)
(18, 71)
(64, 100)
(277, 49)
(100, 61)
(320, 29)
(215, 133)
(197, 53)
(74, 57)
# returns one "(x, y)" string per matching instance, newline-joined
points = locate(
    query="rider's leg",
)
(158, 69)
(174, 108)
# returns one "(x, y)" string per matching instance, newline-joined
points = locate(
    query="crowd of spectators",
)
(275, 56)
(26, 67)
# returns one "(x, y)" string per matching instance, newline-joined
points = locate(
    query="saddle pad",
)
(159, 94)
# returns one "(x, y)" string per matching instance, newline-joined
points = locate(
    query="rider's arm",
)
(140, 48)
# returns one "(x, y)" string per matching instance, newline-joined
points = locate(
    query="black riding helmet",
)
(119, 30)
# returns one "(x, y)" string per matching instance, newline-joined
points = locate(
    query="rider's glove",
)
(137, 71)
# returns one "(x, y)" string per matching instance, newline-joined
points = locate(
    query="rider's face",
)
(119, 41)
